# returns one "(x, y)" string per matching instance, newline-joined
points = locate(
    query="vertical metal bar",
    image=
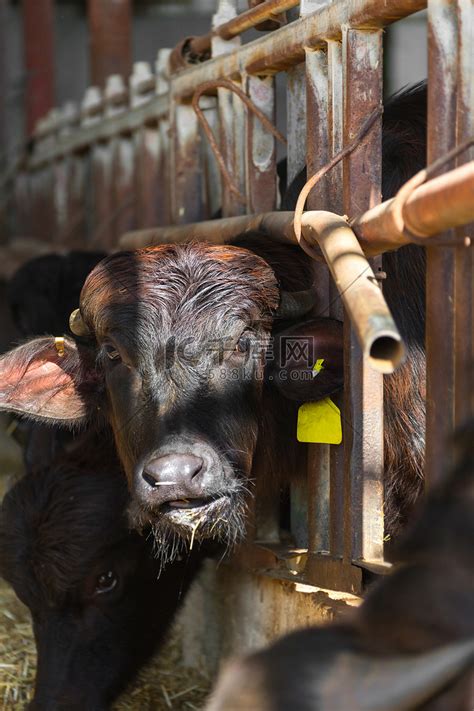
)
(449, 269)
(363, 413)
(80, 192)
(296, 120)
(146, 144)
(261, 150)
(464, 299)
(317, 154)
(101, 155)
(42, 188)
(110, 31)
(211, 197)
(296, 161)
(185, 166)
(163, 198)
(123, 168)
(38, 42)
(336, 310)
(68, 117)
(230, 112)
(259, 167)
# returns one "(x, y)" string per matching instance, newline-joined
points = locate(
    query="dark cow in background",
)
(409, 646)
(98, 604)
(41, 295)
(43, 292)
(172, 353)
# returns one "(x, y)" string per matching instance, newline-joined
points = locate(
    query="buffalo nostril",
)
(149, 479)
(172, 469)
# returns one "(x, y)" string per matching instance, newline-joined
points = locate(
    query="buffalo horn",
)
(294, 304)
(77, 325)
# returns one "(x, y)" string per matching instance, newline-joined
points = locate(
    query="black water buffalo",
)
(99, 607)
(43, 291)
(409, 646)
(172, 350)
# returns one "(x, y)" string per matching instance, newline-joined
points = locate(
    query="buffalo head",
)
(174, 348)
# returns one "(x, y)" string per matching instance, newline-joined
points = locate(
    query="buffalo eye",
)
(111, 352)
(106, 582)
(243, 344)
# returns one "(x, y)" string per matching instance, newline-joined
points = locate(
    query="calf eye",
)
(243, 344)
(106, 582)
(111, 351)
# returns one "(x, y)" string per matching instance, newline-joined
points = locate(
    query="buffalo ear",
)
(307, 360)
(47, 379)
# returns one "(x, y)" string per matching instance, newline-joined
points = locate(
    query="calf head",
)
(174, 349)
(98, 607)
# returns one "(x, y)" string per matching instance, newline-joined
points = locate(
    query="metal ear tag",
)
(59, 344)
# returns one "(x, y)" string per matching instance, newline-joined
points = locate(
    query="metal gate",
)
(137, 157)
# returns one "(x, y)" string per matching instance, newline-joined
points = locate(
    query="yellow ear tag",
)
(318, 366)
(319, 422)
(59, 344)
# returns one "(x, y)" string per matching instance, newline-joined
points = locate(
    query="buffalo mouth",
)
(192, 507)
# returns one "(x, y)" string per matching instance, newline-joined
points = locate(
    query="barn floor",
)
(164, 684)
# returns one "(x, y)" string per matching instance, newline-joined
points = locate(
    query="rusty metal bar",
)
(464, 314)
(296, 160)
(101, 174)
(231, 117)
(296, 120)
(146, 149)
(123, 164)
(110, 30)
(286, 47)
(38, 36)
(278, 225)
(438, 210)
(363, 389)
(164, 185)
(441, 261)
(317, 470)
(444, 202)
(261, 188)
(232, 28)
(336, 309)
(43, 222)
(186, 176)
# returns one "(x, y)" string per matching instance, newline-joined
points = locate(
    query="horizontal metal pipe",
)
(285, 47)
(442, 203)
(243, 22)
(277, 225)
(358, 288)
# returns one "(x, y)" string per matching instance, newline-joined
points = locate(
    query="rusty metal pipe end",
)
(358, 288)
(384, 347)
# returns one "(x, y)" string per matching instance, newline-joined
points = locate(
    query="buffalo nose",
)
(177, 469)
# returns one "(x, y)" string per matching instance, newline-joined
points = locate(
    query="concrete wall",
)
(230, 611)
